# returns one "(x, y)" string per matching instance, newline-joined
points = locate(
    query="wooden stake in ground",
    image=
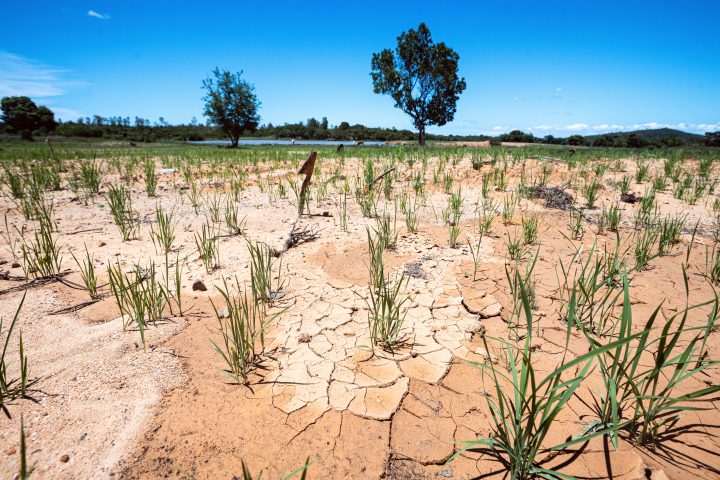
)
(307, 168)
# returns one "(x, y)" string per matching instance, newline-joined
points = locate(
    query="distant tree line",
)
(21, 116)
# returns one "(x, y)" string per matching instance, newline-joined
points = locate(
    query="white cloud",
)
(699, 128)
(498, 128)
(543, 128)
(24, 76)
(93, 13)
(66, 114)
(559, 89)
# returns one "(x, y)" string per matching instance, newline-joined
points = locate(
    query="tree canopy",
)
(421, 76)
(23, 116)
(231, 103)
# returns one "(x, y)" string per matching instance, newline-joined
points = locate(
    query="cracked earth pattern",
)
(322, 346)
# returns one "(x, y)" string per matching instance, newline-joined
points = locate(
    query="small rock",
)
(198, 285)
(102, 244)
(82, 437)
(65, 458)
(10, 451)
(304, 338)
(15, 265)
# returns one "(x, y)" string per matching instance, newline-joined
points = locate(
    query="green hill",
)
(655, 135)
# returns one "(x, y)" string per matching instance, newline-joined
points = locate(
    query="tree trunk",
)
(421, 135)
(234, 139)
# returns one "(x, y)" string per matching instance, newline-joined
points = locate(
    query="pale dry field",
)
(104, 402)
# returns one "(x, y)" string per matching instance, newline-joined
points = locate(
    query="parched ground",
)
(103, 406)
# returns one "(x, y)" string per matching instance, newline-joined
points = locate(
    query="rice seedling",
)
(475, 253)
(671, 227)
(193, 194)
(528, 286)
(12, 388)
(341, 204)
(486, 185)
(508, 211)
(515, 247)
(712, 264)
(530, 229)
(454, 214)
(600, 169)
(418, 183)
(388, 181)
(590, 191)
(448, 180)
(87, 273)
(386, 230)
(386, 314)
(367, 201)
(485, 215)
(24, 470)
(139, 296)
(411, 209)
(524, 407)
(8, 238)
(41, 254)
(624, 185)
(91, 175)
(639, 399)
(614, 215)
(705, 167)
(150, 177)
(643, 172)
(213, 208)
(659, 183)
(122, 211)
(243, 332)
(281, 190)
(587, 287)
(679, 190)
(575, 223)
(644, 244)
(163, 235)
(502, 180)
(376, 266)
(14, 182)
(261, 274)
(208, 247)
(234, 225)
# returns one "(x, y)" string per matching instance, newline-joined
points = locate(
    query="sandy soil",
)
(168, 411)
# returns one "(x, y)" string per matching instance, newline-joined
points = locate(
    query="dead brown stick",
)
(377, 179)
(307, 169)
(74, 308)
(34, 283)
(85, 231)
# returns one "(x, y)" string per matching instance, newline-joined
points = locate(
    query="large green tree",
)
(231, 103)
(24, 117)
(712, 139)
(421, 76)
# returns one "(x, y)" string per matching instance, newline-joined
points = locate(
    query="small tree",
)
(576, 140)
(231, 103)
(712, 139)
(23, 116)
(421, 76)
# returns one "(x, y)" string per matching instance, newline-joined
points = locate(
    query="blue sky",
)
(557, 68)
